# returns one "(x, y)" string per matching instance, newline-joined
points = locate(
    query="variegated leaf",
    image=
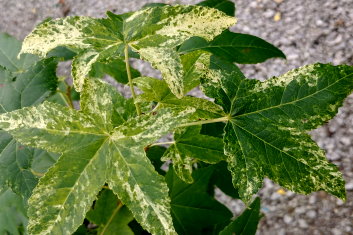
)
(65, 193)
(24, 81)
(94, 152)
(157, 90)
(266, 134)
(152, 32)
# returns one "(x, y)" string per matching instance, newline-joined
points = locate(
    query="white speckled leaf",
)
(52, 127)
(153, 32)
(63, 196)
(94, 153)
(133, 177)
(267, 132)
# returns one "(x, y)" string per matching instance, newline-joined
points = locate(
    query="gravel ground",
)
(307, 31)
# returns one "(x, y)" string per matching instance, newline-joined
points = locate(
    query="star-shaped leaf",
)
(266, 134)
(97, 146)
(23, 82)
(152, 32)
(191, 146)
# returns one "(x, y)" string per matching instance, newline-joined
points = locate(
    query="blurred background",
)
(307, 31)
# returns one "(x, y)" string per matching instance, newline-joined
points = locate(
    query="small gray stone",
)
(311, 214)
(349, 186)
(302, 223)
(287, 219)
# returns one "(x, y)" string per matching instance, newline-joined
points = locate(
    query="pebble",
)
(300, 210)
(311, 214)
(302, 223)
(287, 219)
(349, 186)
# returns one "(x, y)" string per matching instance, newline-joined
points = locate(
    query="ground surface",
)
(307, 31)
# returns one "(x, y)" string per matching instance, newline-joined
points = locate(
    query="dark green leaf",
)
(191, 146)
(226, 6)
(155, 154)
(213, 129)
(23, 83)
(267, 131)
(62, 52)
(154, 5)
(9, 49)
(235, 47)
(110, 215)
(115, 67)
(222, 178)
(13, 218)
(193, 210)
(246, 223)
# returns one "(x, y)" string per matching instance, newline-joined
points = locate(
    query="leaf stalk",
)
(222, 119)
(128, 71)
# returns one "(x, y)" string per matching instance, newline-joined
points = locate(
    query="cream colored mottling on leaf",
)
(200, 21)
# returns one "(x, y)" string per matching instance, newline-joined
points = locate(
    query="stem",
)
(37, 173)
(68, 94)
(155, 108)
(161, 143)
(222, 119)
(111, 218)
(126, 51)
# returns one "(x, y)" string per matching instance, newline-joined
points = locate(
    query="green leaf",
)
(246, 223)
(110, 215)
(190, 146)
(157, 90)
(62, 52)
(235, 47)
(222, 179)
(19, 89)
(12, 214)
(152, 32)
(226, 6)
(114, 67)
(96, 148)
(155, 154)
(267, 131)
(9, 49)
(193, 210)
